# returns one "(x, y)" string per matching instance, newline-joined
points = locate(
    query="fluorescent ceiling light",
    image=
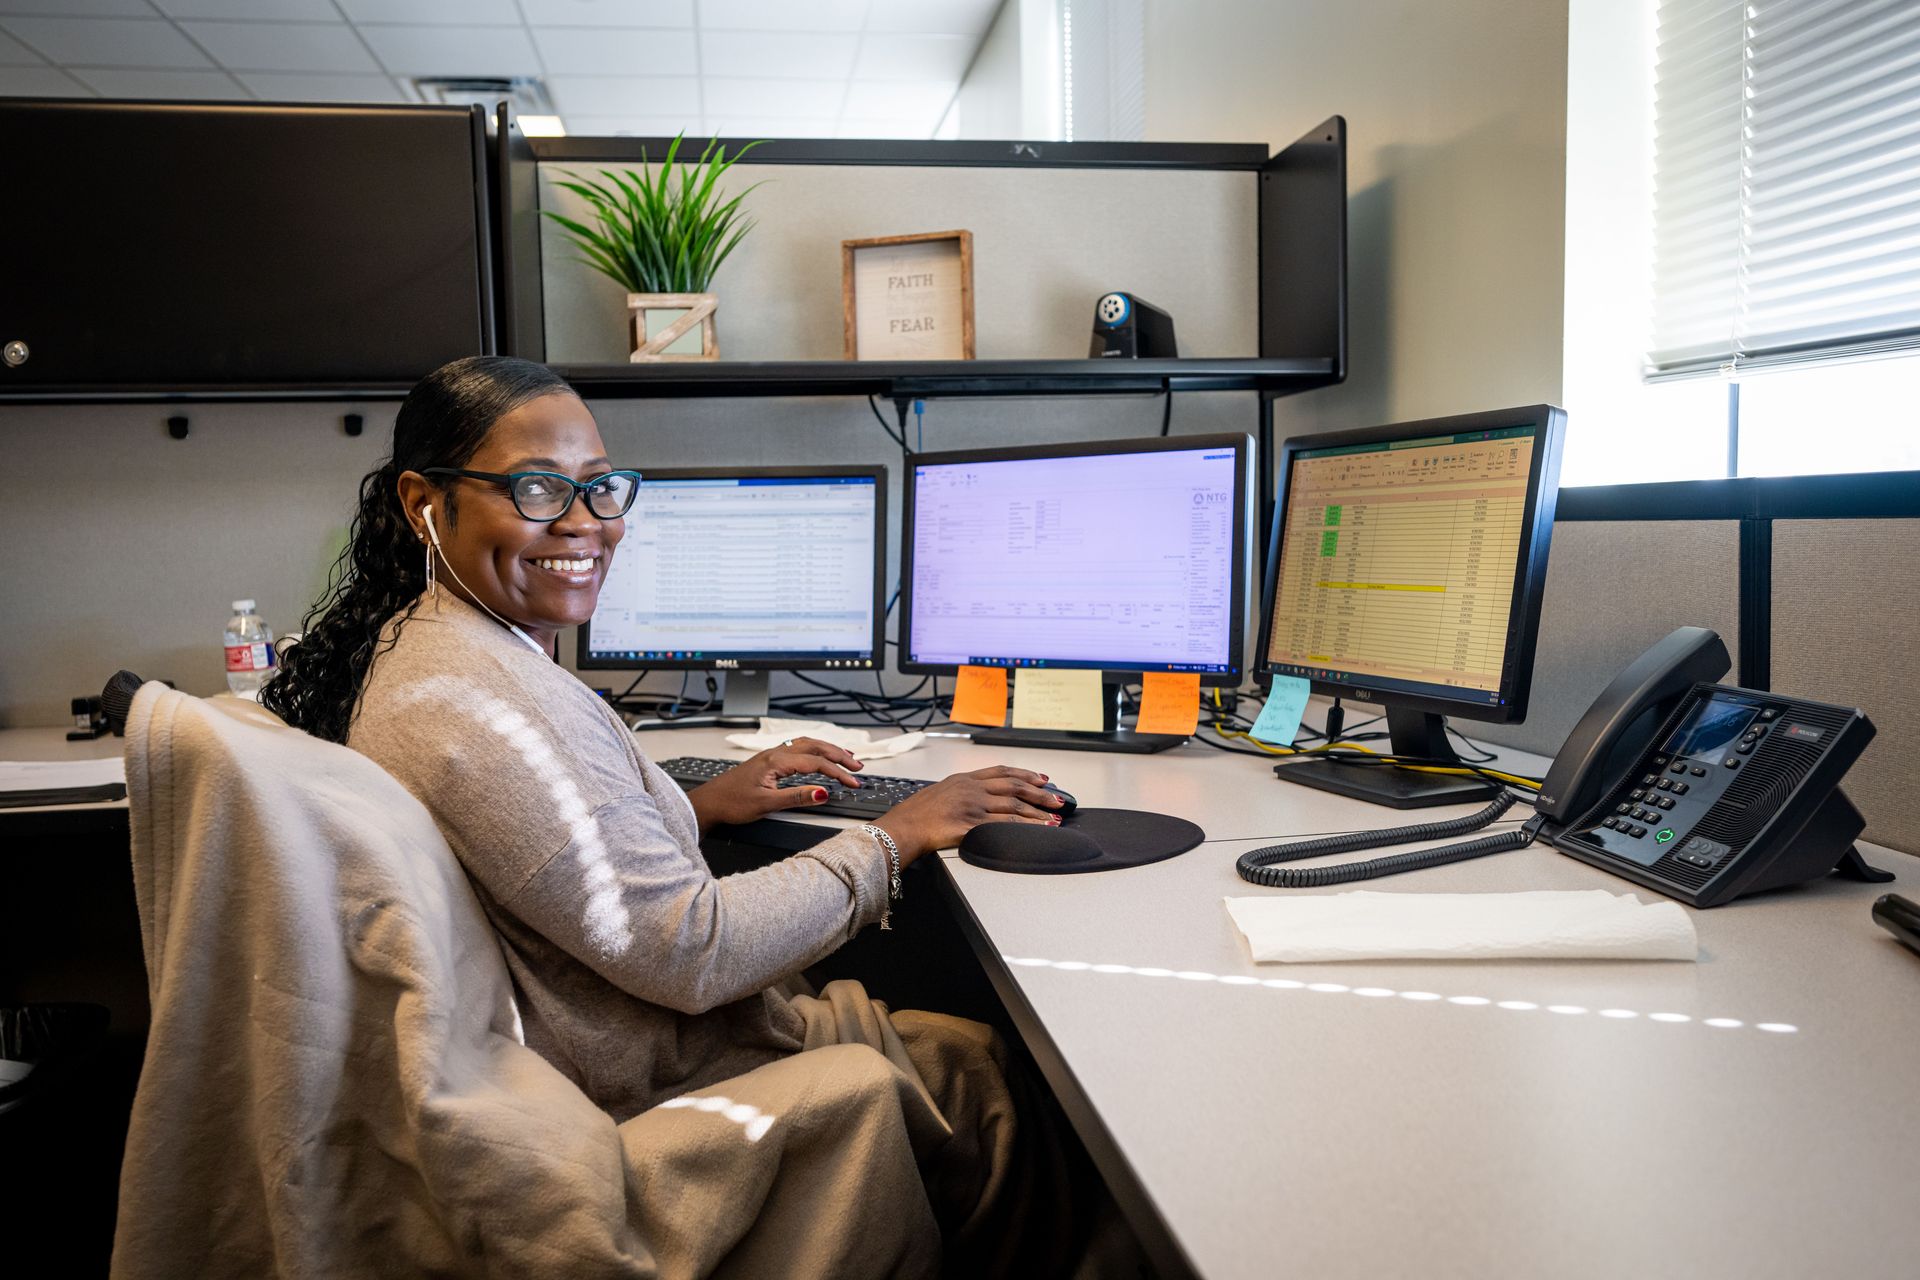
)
(542, 126)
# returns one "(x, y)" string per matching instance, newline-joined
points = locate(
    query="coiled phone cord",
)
(1256, 865)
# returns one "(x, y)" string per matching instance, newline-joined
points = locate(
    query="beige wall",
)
(1456, 117)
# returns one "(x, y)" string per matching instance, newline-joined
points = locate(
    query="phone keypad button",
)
(1623, 807)
(1668, 784)
(1732, 762)
(1697, 772)
(1679, 788)
(1665, 802)
(1679, 768)
(1637, 832)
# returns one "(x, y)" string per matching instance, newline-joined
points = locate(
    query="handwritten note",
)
(1280, 719)
(1169, 703)
(981, 697)
(1057, 700)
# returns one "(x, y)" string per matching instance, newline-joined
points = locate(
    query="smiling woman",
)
(639, 974)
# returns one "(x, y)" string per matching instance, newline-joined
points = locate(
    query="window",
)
(1743, 238)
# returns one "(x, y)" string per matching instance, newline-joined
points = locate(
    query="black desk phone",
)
(1702, 791)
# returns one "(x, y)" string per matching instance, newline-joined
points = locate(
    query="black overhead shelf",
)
(927, 378)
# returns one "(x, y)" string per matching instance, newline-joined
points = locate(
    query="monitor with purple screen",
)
(1122, 556)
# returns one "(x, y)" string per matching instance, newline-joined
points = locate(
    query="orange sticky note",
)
(1169, 702)
(981, 696)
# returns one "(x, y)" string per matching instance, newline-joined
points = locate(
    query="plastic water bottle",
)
(250, 656)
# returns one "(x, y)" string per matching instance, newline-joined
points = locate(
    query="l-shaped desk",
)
(1510, 1118)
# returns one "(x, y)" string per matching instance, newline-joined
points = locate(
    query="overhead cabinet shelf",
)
(902, 378)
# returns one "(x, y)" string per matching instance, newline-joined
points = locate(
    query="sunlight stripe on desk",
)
(1613, 1014)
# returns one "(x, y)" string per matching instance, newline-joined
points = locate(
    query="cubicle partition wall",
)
(1811, 580)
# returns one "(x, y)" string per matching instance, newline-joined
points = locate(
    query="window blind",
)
(1786, 183)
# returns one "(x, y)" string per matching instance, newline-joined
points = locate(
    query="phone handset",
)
(1617, 727)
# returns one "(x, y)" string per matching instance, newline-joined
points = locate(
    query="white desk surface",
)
(1354, 1125)
(1362, 1127)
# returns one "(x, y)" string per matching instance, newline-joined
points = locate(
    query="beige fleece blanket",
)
(335, 1084)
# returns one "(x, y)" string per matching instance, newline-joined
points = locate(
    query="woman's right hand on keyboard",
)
(939, 816)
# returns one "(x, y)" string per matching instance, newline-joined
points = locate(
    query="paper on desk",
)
(773, 732)
(47, 775)
(1066, 699)
(1584, 924)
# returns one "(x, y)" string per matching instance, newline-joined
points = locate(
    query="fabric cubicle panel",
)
(1844, 595)
(1046, 244)
(1613, 589)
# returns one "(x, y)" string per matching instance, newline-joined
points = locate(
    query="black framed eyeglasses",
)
(545, 496)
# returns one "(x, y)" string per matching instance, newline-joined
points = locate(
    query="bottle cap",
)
(243, 606)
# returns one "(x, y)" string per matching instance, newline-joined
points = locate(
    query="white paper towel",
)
(1588, 924)
(773, 732)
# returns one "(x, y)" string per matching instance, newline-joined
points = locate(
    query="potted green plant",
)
(662, 236)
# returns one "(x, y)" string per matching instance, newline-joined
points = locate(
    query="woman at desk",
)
(639, 974)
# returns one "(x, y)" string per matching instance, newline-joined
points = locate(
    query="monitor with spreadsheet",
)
(1406, 564)
(1122, 556)
(746, 569)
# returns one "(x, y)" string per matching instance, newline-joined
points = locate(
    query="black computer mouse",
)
(1067, 803)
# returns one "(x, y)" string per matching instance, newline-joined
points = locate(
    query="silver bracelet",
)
(893, 874)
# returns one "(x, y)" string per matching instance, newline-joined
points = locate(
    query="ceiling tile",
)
(79, 8)
(15, 54)
(733, 98)
(133, 83)
(770, 127)
(626, 96)
(107, 42)
(608, 13)
(453, 51)
(39, 82)
(945, 17)
(288, 86)
(629, 126)
(460, 13)
(282, 46)
(604, 51)
(783, 15)
(253, 10)
(801, 55)
(882, 128)
(913, 57)
(873, 100)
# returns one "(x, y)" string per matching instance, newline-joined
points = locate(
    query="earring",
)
(433, 578)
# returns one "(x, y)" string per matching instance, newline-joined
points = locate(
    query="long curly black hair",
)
(382, 572)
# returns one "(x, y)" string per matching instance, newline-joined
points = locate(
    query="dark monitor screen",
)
(765, 568)
(1122, 556)
(1406, 562)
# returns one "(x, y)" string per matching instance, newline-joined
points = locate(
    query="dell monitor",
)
(1119, 556)
(746, 570)
(1405, 568)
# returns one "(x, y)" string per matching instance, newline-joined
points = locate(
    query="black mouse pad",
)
(1090, 840)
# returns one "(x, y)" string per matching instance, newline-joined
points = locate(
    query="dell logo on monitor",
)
(727, 664)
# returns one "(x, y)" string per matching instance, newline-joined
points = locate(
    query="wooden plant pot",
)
(692, 309)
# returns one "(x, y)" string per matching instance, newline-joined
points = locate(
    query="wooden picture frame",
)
(917, 292)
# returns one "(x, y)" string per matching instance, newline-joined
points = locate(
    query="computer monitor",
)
(746, 570)
(1120, 556)
(1405, 568)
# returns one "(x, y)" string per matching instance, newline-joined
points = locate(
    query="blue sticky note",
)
(1280, 719)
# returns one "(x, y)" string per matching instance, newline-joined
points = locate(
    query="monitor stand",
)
(745, 699)
(1410, 733)
(1111, 737)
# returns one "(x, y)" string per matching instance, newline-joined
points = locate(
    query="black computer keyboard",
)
(875, 795)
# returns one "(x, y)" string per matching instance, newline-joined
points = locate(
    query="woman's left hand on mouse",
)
(752, 789)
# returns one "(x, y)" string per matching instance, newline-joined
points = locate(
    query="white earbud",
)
(432, 533)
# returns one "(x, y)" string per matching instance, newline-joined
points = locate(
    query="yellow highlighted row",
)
(1379, 586)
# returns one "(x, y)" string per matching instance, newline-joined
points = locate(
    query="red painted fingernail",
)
(1054, 821)
(819, 795)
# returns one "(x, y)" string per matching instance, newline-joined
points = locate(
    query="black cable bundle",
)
(1256, 865)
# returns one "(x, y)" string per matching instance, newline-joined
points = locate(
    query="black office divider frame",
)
(1756, 502)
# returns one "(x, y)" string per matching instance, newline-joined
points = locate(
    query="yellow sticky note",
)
(1169, 702)
(1057, 700)
(981, 696)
